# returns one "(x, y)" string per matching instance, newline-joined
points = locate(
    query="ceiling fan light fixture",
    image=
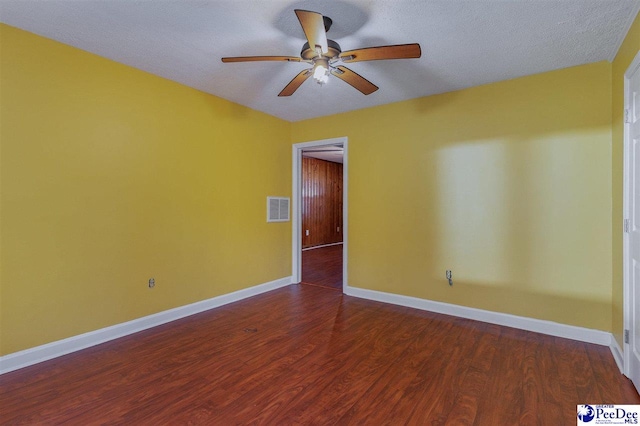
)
(323, 54)
(321, 71)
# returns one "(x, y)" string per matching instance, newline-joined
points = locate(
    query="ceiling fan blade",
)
(313, 26)
(261, 58)
(354, 79)
(398, 51)
(295, 83)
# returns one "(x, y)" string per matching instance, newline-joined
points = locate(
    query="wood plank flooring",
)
(307, 355)
(323, 266)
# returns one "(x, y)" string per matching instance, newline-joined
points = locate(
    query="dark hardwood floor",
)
(323, 266)
(307, 355)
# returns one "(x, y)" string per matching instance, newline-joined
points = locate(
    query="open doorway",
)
(321, 219)
(319, 213)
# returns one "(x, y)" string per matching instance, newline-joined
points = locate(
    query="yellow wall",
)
(508, 184)
(111, 176)
(626, 53)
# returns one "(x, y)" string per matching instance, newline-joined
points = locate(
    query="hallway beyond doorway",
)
(322, 266)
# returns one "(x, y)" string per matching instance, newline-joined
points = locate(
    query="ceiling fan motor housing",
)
(308, 54)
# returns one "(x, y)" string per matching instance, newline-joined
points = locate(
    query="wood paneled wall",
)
(321, 202)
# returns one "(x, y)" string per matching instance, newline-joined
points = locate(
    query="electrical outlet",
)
(152, 283)
(307, 233)
(449, 276)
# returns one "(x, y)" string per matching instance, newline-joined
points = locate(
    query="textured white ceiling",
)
(464, 43)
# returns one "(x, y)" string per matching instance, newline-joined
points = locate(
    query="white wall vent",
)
(277, 209)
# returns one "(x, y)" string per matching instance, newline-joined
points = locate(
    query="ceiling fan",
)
(324, 54)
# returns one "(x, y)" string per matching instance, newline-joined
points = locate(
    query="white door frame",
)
(296, 222)
(635, 64)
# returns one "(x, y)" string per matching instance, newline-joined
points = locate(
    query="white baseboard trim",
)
(530, 324)
(616, 351)
(58, 348)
